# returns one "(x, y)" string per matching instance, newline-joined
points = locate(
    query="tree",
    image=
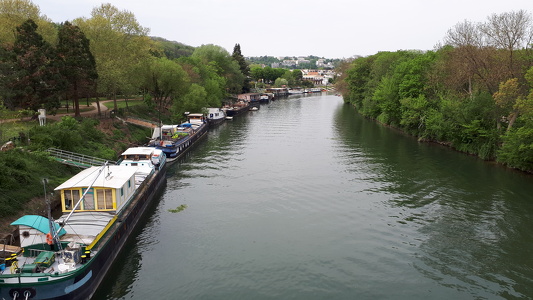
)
(77, 62)
(37, 80)
(280, 82)
(225, 65)
(509, 31)
(7, 69)
(243, 65)
(257, 73)
(506, 97)
(14, 12)
(118, 43)
(164, 79)
(206, 75)
(193, 101)
(471, 58)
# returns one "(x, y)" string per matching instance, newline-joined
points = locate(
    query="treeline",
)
(107, 55)
(474, 93)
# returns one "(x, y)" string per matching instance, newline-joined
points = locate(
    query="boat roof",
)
(169, 126)
(38, 222)
(139, 151)
(112, 177)
(195, 115)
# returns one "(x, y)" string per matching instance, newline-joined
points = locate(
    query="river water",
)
(304, 199)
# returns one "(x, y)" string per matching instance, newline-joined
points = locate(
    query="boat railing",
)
(76, 159)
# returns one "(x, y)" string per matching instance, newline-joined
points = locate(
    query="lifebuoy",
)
(49, 239)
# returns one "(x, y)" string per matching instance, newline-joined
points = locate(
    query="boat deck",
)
(83, 228)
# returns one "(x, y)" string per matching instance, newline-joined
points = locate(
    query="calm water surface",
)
(304, 199)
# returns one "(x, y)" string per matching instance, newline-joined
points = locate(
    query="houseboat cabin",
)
(112, 188)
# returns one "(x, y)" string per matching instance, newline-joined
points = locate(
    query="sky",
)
(325, 28)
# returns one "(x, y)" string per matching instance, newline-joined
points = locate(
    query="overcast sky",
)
(324, 28)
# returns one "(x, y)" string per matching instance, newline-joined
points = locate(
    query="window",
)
(100, 199)
(88, 201)
(71, 198)
(108, 199)
(121, 192)
(104, 199)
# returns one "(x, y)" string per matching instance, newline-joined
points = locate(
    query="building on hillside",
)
(314, 77)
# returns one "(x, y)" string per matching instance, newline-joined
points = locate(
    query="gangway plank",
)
(76, 159)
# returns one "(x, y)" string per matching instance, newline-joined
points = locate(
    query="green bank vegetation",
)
(22, 169)
(474, 93)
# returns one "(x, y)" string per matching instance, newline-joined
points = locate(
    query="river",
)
(305, 199)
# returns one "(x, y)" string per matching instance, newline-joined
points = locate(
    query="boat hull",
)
(236, 111)
(83, 282)
(180, 147)
(215, 122)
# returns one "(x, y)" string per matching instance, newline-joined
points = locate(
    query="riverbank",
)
(23, 168)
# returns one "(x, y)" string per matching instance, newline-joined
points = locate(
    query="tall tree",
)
(77, 63)
(164, 79)
(510, 31)
(243, 66)
(118, 43)
(37, 78)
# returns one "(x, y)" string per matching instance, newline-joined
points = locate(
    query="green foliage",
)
(193, 101)
(178, 209)
(280, 82)
(71, 135)
(76, 62)
(21, 174)
(405, 89)
(517, 148)
(226, 66)
(414, 112)
(207, 76)
(35, 81)
(172, 49)
(386, 97)
(243, 66)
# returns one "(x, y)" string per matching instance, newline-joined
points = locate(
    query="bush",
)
(517, 149)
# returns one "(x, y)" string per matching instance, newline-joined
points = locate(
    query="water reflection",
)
(124, 273)
(474, 217)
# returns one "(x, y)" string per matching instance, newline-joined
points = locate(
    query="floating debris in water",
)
(178, 209)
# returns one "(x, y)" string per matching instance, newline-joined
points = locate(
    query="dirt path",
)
(57, 117)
